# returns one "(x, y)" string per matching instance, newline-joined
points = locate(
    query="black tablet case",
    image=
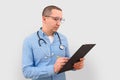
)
(80, 53)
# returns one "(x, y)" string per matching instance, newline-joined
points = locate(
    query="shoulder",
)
(62, 37)
(30, 37)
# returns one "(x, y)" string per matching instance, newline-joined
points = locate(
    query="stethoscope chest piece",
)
(61, 47)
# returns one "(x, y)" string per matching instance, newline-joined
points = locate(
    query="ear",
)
(43, 19)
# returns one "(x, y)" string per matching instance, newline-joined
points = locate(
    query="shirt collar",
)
(43, 34)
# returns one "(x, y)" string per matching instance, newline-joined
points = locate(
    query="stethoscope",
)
(61, 47)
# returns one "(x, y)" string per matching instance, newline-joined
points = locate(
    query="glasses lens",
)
(57, 19)
(62, 20)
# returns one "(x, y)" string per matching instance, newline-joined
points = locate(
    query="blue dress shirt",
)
(38, 61)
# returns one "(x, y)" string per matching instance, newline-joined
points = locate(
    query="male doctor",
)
(46, 51)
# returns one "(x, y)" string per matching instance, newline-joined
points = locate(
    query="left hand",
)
(79, 65)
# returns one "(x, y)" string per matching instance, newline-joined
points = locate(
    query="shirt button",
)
(45, 57)
(52, 54)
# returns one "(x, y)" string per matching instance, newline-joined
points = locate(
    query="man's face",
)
(53, 21)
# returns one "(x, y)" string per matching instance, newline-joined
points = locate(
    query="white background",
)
(87, 21)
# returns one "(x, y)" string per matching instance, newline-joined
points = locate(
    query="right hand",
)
(60, 62)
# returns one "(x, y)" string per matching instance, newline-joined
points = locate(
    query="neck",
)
(47, 31)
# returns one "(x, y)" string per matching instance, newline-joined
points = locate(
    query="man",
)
(45, 52)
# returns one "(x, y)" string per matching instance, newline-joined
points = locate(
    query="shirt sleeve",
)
(67, 52)
(29, 70)
(67, 49)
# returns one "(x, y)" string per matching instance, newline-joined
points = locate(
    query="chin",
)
(54, 30)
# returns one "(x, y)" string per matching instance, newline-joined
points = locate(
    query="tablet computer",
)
(80, 53)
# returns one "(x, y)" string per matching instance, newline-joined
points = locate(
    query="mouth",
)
(56, 27)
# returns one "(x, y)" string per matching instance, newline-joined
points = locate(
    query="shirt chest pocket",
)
(41, 54)
(59, 52)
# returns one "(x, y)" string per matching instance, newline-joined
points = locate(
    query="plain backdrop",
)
(86, 21)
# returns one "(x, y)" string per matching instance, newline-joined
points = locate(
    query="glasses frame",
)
(57, 18)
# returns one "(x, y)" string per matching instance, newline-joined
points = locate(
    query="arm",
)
(36, 72)
(67, 49)
(29, 70)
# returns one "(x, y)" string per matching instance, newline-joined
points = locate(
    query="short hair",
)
(47, 10)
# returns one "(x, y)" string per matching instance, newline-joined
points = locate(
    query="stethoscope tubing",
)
(60, 46)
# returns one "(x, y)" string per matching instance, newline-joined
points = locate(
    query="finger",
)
(62, 64)
(65, 58)
(81, 59)
(62, 60)
(77, 67)
(79, 64)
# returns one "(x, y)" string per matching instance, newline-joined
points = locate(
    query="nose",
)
(58, 22)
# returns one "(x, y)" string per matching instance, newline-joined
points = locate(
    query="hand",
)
(79, 65)
(60, 62)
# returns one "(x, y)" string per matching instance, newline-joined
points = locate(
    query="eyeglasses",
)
(57, 18)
